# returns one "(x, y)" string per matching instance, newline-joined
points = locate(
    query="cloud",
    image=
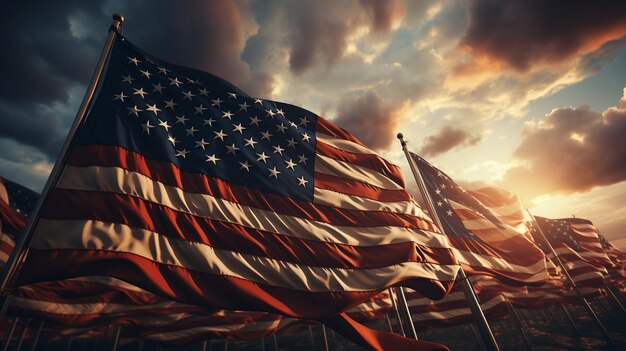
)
(371, 119)
(446, 139)
(572, 150)
(523, 33)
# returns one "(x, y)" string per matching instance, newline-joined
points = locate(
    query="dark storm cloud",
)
(573, 150)
(318, 31)
(448, 138)
(371, 119)
(522, 33)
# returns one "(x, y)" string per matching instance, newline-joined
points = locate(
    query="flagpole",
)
(569, 318)
(21, 246)
(37, 335)
(406, 313)
(392, 295)
(468, 290)
(593, 315)
(519, 323)
(617, 301)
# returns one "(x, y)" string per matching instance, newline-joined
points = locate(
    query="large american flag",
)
(486, 228)
(180, 183)
(584, 272)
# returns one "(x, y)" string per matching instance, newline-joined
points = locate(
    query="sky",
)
(527, 95)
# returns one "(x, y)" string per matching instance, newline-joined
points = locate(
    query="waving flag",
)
(486, 229)
(16, 203)
(585, 239)
(180, 183)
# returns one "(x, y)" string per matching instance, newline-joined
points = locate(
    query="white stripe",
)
(90, 308)
(117, 180)
(448, 314)
(333, 167)
(345, 145)
(54, 234)
(226, 328)
(537, 269)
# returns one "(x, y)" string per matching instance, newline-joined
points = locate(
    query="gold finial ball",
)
(400, 136)
(118, 17)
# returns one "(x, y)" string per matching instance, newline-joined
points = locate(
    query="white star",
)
(281, 128)
(158, 87)
(302, 159)
(449, 212)
(182, 119)
(227, 114)
(290, 165)
(302, 181)
(443, 186)
(220, 135)
(153, 108)
(292, 143)
(254, 120)
(175, 82)
(200, 109)
(201, 143)
(305, 137)
(278, 150)
(172, 140)
(245, 165)
(232, 149)
(191, 131)
(293, 125)
(146, 73)
(280, 112)
(119, 96)
(163, 70)
(165, 125)
(244, 106)
(266, 135)
(134, 111)
(232, 95)
(274, 172)
(439, 203)
(182, 153)
(188, 95)
(258, 101)
(170, 104)
(134, 60)
(304, 121)
(437, 191)
(127, 79)
(250, 142)
(146, 127)
(209, 121)
(216, 102)
(269, 113)
(139, 92)
(238, 128)
(212, 158)
(262, 157)
(204, 92)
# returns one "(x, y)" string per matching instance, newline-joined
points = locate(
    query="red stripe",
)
(371, 161)
(169, 174)
(358, 188)
(516, 251)
(135, 212)
(328, 128)
(185, 285)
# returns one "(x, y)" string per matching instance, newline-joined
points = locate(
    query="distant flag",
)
(180, 183)
(586, 241)
(485, 227)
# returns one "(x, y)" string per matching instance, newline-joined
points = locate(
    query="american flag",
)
(180, 183)
(587, 241)
(485, 227)
(562, 238)
(16, 203)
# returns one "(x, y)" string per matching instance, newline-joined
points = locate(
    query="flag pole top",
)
(118, 20)
(401, 137)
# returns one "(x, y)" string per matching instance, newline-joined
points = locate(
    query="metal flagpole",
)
(395, 308)
(21, 246)
(388, 322)
(569, 318)
(69, 343)
(325, 337)
(520, 325)
(5, 347)
(37, 335)
(406, 314)
(468, 290)
(116, 338)
(23, 335)
(275, 341)
(617, 301)
(593, 315)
